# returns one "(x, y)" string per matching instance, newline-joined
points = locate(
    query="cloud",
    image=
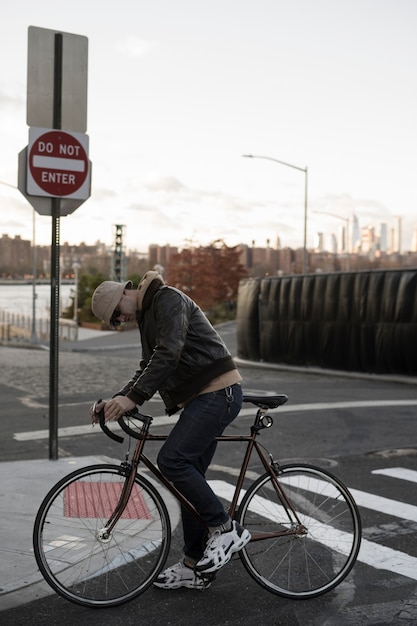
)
(14, 216)
(164, 183)
(163, 208)
(12, 95)
(101, 194)
(135, 48)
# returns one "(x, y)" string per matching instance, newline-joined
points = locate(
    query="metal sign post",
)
(54, 172)
(55, 268)
(54, 332)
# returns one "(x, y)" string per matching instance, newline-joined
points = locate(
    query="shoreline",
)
(29, 281)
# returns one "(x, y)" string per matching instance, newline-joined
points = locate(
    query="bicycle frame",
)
(270, 466)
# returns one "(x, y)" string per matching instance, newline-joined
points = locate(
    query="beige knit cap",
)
(106, 298)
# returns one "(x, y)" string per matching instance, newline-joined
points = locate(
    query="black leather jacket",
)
(181, 351)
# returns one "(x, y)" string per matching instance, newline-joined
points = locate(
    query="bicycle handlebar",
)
(145, 419)
(106, 430)
(134, 414)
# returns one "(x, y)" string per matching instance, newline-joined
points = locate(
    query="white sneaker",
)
(179, 575)
(221, 546)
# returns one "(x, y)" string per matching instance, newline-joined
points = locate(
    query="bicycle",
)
(102, 534)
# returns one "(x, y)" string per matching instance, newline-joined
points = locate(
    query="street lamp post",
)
(76, 267)
(300, 169)
(34, 338)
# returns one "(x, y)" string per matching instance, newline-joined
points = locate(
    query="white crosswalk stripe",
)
(371, 553)
(398, 472)
(395, 508)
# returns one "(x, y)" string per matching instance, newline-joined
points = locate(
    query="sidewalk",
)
(24, 484)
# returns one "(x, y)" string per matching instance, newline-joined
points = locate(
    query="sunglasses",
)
(114, 321)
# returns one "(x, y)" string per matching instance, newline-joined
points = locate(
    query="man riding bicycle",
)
(187, 362)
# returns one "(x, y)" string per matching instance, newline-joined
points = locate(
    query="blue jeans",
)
(186, 455)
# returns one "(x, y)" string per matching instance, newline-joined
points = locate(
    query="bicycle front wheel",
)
(306, 555)
(83, 563)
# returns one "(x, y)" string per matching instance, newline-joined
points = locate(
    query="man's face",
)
(126, 309)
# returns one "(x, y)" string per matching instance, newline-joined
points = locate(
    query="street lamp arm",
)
(254, 156)
(305, 171)
(7, 184)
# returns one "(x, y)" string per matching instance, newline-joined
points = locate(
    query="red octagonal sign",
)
(58, 164)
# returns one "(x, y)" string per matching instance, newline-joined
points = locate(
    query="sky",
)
(179, 90)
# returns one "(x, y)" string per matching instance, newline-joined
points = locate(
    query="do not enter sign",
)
(58, 164)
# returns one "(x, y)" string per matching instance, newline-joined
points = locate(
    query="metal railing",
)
(17, 327)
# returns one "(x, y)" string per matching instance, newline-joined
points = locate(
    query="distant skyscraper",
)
(383, 241)
(319, 242)
(355, 232)
(333, 244)
(368, 242)
(342, 244)
(399, 235)
(392, 240)
(414, 241)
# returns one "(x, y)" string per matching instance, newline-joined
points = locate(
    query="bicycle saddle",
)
(267, 402)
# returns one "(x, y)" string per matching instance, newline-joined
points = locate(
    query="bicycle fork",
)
(129, 469)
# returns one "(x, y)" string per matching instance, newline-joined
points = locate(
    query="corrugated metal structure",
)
(352, 321)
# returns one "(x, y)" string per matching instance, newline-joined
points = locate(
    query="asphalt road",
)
(361, 429)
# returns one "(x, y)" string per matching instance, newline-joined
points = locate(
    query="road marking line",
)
(164, 420)
(87, 429)
(372, 554)
(385, 505)
(286, 408)
(398, 472)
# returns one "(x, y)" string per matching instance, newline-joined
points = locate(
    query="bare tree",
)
(210, 275)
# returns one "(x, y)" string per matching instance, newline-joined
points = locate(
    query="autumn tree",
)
(209, 275)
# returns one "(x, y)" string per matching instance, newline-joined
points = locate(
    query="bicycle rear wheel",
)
(75, 557)
(317, 559)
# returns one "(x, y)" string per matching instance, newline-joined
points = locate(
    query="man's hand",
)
(115, 407)
(95, 410)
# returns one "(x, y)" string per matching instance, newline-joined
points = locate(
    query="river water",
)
(19, 298)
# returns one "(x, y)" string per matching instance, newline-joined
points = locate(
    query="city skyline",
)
(178, 95)
(351, 238)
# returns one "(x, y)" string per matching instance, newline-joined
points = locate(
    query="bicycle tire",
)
(91, 570)
(308, 565)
